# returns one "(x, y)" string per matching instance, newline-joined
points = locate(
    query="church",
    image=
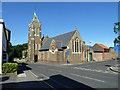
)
(67, 48)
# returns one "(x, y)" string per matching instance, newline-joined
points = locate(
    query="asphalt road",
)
(89, 75)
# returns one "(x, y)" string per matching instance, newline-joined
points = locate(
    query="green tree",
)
(117, 31)
(16, 51)
(25, 54)
(11, 52)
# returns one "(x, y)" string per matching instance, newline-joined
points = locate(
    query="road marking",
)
(43, 81)
(87, 77)
(95, 70)
(21, 75)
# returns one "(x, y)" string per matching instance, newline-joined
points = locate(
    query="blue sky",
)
(94, 20)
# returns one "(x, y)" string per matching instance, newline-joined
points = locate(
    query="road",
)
(89, 75)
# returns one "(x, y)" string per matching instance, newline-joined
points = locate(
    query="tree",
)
(11, 52)
(16, 51)
(25, 54)
(117, 31)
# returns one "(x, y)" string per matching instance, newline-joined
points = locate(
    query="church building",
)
(66, 48)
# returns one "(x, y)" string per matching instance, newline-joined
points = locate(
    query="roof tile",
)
(61, 40)
(103, 46)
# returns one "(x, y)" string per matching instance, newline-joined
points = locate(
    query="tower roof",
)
(35, 19)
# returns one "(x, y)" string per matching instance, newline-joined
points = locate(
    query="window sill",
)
(76, 52)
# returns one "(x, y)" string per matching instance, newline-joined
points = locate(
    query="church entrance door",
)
(36, 58)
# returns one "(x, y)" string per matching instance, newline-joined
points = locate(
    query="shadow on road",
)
(108, 65)
(54, 82)
(23, 68)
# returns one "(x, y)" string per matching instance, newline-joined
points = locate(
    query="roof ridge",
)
(62, 34)
(58, 40)
(102, 45)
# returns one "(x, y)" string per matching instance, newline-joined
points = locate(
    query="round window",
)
(53, 48)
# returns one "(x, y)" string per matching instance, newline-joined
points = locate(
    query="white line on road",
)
(87, 77)
(92, 70)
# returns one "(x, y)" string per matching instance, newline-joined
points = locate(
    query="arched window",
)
(72, 45)
(37, 31)
(35, 46)
(75, 45)
(85, 54)
(34, 31)
(80, 46)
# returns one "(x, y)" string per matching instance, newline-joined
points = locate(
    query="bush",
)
(9, 67)
(22, 61)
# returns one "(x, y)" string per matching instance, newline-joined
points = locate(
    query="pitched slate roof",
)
(94, 49)
(61, 41)
(103, 46)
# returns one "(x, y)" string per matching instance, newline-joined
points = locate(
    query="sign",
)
(67, 52)
(116, 47)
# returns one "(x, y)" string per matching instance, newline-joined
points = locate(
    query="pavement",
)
(115, 68)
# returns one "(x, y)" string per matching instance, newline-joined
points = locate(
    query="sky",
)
(94, 20)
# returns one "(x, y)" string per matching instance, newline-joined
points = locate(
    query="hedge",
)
(9, 68)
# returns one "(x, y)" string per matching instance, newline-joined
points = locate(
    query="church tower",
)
(34, 39)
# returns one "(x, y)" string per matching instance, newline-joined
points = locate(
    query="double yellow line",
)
(42, 80)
